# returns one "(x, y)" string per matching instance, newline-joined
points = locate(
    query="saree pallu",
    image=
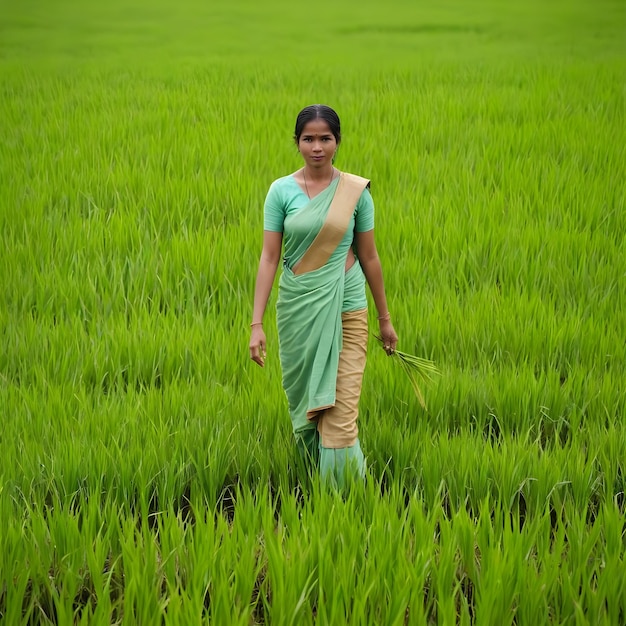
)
(309, 307)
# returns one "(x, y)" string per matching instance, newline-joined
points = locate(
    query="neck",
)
(319, 174)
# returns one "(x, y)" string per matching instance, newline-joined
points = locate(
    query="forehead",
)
(316, 127)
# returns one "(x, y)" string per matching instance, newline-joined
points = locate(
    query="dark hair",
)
(315, 112)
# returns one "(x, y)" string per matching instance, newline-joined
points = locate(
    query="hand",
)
(388, 336)
(257, 345)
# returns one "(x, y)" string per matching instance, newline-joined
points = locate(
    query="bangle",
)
(256, 324)
(385, 317)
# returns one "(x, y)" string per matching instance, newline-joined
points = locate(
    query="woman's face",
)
(317, 144)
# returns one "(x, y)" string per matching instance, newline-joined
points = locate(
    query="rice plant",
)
(148, 472)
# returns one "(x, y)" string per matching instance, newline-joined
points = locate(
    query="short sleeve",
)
(274, 210)
(364, 217)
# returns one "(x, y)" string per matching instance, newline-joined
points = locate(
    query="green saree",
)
(309, 311)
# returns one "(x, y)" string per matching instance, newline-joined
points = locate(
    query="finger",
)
(257, 354)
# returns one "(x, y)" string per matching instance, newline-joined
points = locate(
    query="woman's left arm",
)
(370, 262)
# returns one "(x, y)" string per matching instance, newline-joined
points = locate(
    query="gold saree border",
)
(347, 194)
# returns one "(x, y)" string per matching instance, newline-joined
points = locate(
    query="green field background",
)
(147, 468)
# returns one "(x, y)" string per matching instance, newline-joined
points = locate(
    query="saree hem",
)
(341, 466)
(314, 414)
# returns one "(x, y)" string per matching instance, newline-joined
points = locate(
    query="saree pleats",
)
(337, 425)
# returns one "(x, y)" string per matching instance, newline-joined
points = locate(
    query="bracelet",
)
(385, 317)
(256, 324)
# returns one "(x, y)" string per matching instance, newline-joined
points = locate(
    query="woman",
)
(326, 219)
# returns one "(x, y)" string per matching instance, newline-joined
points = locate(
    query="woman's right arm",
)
(268, 264)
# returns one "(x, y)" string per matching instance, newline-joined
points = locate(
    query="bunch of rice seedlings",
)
(417, 369)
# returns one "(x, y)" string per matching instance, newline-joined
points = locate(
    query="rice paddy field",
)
(147, 467)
